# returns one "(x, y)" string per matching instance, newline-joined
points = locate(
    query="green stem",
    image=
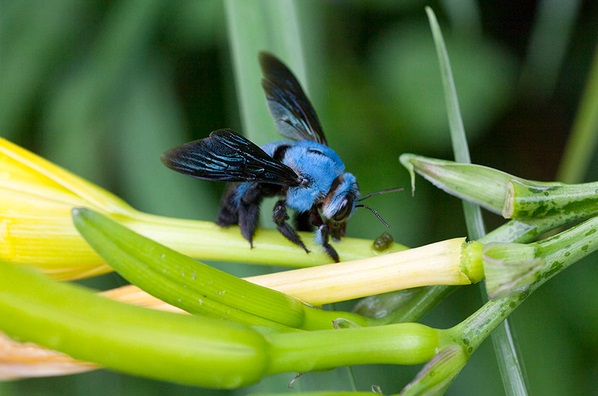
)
(402, 306)
(405, 343)
(207, 241)
(527, 199)
(556, 253)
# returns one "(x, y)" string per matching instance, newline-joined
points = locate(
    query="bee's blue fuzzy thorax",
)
(318, 165)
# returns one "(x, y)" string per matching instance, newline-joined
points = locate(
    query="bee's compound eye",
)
(344, 210)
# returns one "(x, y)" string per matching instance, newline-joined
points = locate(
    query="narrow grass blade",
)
(582, 144)
(505, 349)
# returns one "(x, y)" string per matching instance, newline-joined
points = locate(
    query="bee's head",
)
(340, 203)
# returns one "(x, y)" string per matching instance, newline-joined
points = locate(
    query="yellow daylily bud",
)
(36, 198)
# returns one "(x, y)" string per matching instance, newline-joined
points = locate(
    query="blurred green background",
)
(104, 87)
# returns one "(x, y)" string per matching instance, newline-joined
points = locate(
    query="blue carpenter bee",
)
(309, 177)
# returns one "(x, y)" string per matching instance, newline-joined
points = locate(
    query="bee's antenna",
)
(389, 190)
(374, 212)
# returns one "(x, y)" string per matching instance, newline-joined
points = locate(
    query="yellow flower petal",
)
(27, 360)
(24, 167)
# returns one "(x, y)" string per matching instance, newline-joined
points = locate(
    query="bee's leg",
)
(229, 207)
(321, 234)
(241, 205)
(248, 220)
(249, 211)
(322, 239)
(280, 217)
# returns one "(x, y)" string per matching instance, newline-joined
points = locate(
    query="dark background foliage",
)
(103, 87)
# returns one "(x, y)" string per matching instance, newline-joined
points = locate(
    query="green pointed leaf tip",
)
(481, 185)
(166, 346)
(405, 160)
(182, 281)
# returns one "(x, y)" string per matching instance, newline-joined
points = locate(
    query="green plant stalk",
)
(415, 306)
(532, 199)
(404, 343)
(193, 286)
(548, 257)
(556, 254)
(473, 215)
(404, 305)
(207, 241)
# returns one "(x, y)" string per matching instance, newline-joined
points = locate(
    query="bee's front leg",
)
(321, 234)
(280, 217)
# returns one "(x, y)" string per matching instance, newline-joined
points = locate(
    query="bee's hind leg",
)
(241, 205)
(229, 207)
(280, 217)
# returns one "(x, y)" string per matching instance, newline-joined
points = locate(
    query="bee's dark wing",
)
(292, 111)
(228, 156)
